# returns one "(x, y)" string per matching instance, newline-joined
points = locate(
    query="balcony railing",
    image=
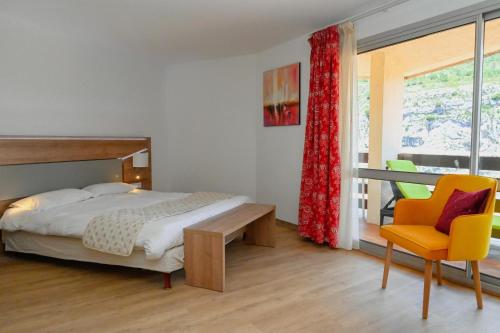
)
(451, 161)
(444, 161)
(425, 160)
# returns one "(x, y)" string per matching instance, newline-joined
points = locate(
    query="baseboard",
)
(286, 224)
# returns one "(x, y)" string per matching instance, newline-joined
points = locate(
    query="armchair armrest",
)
(416, 212)
(470, 237)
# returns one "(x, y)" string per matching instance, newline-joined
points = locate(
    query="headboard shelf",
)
(30, 150)
(38, 137)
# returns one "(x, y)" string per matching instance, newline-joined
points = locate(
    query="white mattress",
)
(73, 249)
(154, 239)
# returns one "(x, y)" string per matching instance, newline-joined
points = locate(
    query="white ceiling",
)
(187, 29)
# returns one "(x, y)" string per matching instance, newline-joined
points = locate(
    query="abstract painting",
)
(282, 96)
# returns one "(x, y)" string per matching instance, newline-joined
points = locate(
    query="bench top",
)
(232, 220)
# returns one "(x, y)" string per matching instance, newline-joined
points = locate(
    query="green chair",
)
(402, 190)
(495, 232)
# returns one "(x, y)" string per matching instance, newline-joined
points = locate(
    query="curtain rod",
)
(366, 13)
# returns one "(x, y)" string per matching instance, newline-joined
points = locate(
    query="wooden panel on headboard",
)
(4, 204)
(28, 150)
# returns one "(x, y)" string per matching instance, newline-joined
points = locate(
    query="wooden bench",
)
(204, 242)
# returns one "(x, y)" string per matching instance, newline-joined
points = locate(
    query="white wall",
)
(54, 84)
(211, 126)
(279, 149)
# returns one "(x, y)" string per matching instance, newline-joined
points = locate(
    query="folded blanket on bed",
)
(116, 232)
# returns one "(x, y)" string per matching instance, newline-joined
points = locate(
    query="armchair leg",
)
(427, 288)
(477, 283)
(439, 273)
(388, 255)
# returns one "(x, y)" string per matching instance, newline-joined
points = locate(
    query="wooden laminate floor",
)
(296, 287)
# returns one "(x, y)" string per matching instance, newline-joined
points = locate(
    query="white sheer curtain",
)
(349, 224)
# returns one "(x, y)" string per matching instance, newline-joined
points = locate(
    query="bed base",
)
(66, 248)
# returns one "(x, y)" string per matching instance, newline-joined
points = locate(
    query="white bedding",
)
(155, 238)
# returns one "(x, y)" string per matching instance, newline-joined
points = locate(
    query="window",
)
(489, 163)
(363, 119)
(415, 103)
(418, 101)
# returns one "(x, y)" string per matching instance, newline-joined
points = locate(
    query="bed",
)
(57, 232)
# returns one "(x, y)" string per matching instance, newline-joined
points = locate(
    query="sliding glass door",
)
(432, 100)
(416, 104)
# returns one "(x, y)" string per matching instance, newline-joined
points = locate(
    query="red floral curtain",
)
(320, 187)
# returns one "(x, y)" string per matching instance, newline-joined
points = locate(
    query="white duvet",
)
(155, 238)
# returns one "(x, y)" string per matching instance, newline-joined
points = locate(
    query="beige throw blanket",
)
(116, 232)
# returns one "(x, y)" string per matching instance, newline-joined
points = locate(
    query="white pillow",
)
(52, 199)
(109, 188)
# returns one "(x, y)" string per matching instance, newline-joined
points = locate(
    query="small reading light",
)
(137, 177)
(140, 160)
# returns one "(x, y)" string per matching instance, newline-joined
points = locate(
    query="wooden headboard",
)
(4, 204)
(15, 150)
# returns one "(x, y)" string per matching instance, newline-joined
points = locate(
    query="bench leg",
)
(204, 259)
(262, 231)
(166, 281)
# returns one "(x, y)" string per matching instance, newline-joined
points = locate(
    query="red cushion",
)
(461, 203)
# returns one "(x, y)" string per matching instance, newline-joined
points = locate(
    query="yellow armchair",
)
(469, 238)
